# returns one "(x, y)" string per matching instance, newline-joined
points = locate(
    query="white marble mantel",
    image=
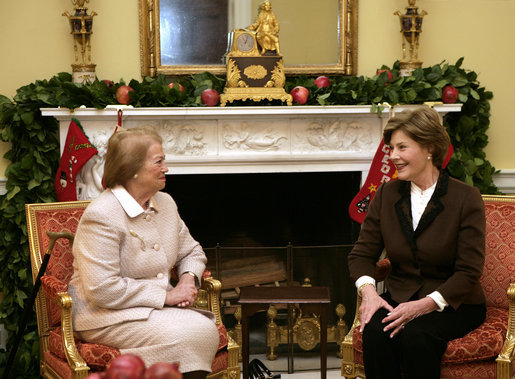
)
(209, 140)
(249, 139)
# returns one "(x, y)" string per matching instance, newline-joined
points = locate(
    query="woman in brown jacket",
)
(433, 230)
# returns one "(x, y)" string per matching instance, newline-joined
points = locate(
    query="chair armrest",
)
(75, 360)
(234, 351)
(51, 286)
(383, 268)
(212, 288)
(506, 355)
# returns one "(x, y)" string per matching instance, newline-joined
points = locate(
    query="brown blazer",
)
(445, 253)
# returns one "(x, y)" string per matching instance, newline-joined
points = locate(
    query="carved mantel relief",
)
(183, 138)
(257, 137)
(336, 135)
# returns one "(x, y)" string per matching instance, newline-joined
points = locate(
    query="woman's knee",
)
(373, 330)
(375, 326)
(414, 339)
(374, 337)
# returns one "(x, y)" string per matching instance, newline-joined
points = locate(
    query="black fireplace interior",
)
(270, 209)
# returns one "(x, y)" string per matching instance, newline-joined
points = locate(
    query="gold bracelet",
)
(363, 285)
(191, 273)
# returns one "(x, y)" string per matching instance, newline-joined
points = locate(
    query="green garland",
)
(35, 150)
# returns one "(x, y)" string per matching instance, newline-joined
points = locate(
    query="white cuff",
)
(365, 279)
(439, 300)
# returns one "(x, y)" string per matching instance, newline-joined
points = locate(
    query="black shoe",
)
(258, 370)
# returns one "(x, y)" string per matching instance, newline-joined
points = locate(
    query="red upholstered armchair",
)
(488, 351)
(62, 355)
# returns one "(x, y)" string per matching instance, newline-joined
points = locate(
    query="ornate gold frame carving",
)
(306, 331)
(150, 54)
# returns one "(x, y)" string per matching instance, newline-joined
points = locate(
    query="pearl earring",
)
(135, 176)
(428, 157)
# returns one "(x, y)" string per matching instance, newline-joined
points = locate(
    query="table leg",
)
(323, 341)
(290, 339)
(245, 341)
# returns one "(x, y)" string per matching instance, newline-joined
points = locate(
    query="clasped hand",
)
(398, 316)
(183, 294)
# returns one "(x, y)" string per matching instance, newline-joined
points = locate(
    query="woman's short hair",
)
(422, 125)
(126, 154)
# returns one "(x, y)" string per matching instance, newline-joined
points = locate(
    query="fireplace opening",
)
(274, 229)
(255, 217)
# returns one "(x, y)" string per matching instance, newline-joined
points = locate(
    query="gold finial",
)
(81, 24)
(411, 28)
(79, 3)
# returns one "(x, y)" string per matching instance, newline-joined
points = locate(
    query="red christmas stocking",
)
(382, 170)
(77, 151)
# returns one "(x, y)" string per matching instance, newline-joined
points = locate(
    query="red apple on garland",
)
(126, 366)
(163, 370)
(449, 94)
(322, 81)
(388, 72)
(122, 94)
(181, 88)
(300, 95)
(210, 97)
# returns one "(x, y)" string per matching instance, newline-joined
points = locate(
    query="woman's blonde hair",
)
(422, 125)
(126, 154)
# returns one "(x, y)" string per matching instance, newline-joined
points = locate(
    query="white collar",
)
(416, 190)
(128, 203)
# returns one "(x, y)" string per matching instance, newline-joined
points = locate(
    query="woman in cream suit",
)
(433, 230)
(128, 240)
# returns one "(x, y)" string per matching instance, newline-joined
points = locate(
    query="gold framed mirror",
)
(180, 37)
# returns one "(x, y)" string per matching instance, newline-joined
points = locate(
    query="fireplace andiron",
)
(306, 329)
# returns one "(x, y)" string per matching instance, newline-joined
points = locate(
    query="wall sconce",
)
(411, 27)
(81, 24)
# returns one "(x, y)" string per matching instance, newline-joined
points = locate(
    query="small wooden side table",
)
(312, 299)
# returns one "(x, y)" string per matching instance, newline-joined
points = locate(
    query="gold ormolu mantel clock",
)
(255, 69)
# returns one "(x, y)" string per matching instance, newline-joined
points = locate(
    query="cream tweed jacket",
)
(123, 258)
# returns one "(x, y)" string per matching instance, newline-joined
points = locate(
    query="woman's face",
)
(410, 158)
(152, 175)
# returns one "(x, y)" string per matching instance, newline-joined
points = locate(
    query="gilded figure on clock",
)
(267, 29)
